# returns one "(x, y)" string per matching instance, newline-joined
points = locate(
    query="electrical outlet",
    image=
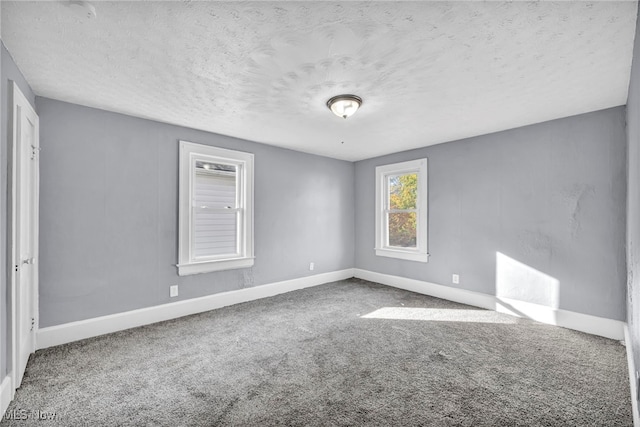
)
(173, 291)
(455, 279)
(311, 266)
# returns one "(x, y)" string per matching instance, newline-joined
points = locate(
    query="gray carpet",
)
(311, 358)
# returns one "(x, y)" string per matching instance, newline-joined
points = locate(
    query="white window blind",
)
(215, 211)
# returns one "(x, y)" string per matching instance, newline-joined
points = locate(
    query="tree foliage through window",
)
(403, 200)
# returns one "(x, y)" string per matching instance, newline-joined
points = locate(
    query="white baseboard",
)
(601, 326)
(632, 377)
(6, 395)
(74, 331)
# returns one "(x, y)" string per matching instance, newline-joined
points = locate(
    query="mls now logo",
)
(17, 414)
(23, 415)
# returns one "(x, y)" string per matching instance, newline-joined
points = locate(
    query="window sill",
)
(406, 255)
(210, 266)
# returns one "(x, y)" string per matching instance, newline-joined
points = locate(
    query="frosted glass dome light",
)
(344, 105)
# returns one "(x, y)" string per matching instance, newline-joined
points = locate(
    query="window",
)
(216, 209)
(401, 210)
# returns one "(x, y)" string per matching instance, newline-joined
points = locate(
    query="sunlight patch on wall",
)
(518, 281)
(439, 315)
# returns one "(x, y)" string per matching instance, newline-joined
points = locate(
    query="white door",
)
(25, 150)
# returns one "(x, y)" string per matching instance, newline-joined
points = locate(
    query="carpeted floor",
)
(350, 353)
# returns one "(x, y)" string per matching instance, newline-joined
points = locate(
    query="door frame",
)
(20, 101)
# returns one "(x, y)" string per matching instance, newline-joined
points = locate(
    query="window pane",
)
(402, 229)
(214, 233)
(403, 191)
(215, 186)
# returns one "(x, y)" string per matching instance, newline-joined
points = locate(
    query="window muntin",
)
(216, 215)
(401, 210)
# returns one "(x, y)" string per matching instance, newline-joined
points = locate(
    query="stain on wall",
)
(247, 278)
(574, 197)
(535, 242)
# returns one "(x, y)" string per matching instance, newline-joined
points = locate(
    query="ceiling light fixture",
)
(344, 105)
(83, 9)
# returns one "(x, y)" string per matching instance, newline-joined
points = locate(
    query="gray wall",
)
(109, 215)
(633, 203)
(8, 72)
(549, 196)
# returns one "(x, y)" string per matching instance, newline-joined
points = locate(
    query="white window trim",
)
(245, 258)
(420, 253)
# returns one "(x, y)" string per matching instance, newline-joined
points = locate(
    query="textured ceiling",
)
(428, 72)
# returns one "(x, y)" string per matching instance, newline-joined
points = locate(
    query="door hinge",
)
(34, 152)
(33, 323)
(17, 267)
